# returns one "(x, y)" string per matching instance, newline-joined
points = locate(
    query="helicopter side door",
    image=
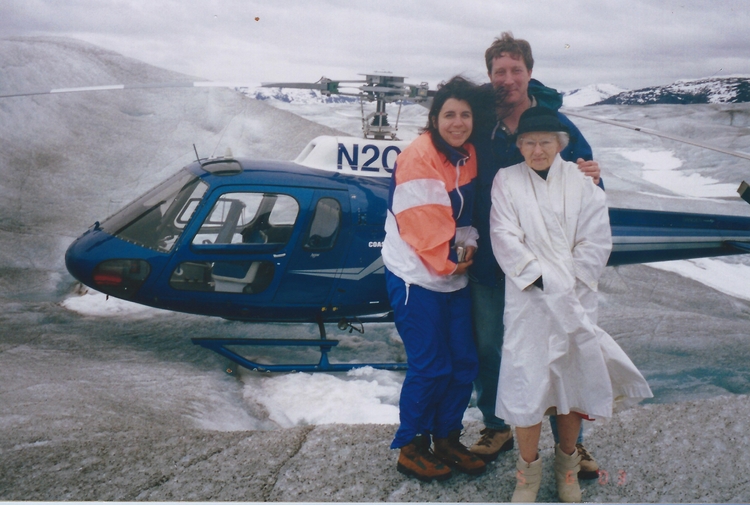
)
(317, 258)
(237, 248)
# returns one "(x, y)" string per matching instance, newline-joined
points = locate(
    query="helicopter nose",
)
(120, 277)
(113, 276)
(77, 262)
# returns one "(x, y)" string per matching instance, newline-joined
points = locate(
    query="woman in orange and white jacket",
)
(427, 250)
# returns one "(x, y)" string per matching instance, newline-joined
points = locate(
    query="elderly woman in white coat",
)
(550, 234)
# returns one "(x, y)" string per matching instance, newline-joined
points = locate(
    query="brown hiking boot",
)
(416, 460)
(492, 443)
(452, 451)
(589, 467)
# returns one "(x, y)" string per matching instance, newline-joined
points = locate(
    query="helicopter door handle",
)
(280, 255)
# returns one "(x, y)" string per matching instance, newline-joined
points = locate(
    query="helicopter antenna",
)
(684, 140)
(198, 158)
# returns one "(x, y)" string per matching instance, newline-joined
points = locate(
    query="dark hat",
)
(540, 119)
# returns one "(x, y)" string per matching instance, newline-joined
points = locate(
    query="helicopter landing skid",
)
(219, 345)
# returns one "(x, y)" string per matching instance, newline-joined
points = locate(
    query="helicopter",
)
(299, 241)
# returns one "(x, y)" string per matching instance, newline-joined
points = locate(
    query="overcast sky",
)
(629, 43)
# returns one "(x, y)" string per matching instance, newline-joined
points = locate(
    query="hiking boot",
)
(492, 443)
(528, 480)
(416, 460)
(566, 475)
(589, 466)
(451, 451)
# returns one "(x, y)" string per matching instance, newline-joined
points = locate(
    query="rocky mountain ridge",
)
(732, 89)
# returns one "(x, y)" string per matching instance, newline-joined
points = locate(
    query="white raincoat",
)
(554, 354)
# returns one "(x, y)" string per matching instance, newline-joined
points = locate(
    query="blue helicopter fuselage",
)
(248, 240)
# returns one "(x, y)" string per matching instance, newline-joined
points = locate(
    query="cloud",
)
(577, 42)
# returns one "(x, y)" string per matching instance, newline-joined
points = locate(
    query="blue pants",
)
(437, 334)
(488, 305)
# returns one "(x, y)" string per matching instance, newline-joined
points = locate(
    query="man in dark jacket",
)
(509, 65)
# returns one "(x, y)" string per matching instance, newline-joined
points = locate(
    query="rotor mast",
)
(379, 87)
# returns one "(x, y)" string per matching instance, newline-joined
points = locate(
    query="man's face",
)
(511, 73)
(539, 149)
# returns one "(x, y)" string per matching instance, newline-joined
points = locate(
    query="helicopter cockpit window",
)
(249, 218)
(325, 225)
(156, 219)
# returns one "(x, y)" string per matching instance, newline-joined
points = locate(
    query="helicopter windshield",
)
(156, 219)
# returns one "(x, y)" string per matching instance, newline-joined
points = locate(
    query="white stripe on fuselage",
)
(349, 274)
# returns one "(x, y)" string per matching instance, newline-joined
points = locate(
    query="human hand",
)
(590, 168)
(470, 250)
(463, 267)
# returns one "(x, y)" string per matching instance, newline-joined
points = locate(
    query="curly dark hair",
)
(483, 101)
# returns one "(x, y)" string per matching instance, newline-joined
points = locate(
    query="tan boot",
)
(566, 475)
(492, 443)
(452, 452)
(416, 460)
(528, 480)
(589, 466)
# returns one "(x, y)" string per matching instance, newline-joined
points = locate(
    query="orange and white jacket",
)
(429, 212)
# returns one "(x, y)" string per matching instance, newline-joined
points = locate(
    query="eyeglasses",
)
(544, 144)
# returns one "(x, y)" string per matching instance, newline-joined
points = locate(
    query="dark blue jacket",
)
(496, 150)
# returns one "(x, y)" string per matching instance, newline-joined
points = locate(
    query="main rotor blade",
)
(659, 134)
(296, 85)
(325, 85)
(305, 85)
(200, 84)
(385, 89)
